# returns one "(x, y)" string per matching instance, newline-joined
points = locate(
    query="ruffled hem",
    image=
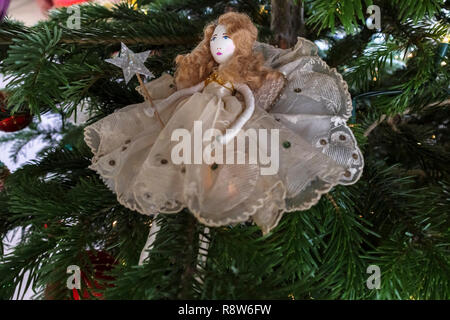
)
(92, 138)
(266, 204)
(244, 216)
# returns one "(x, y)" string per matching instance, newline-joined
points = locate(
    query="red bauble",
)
(67, 3)
(12, 123)
(102, 263)
(15, 122)
(99, 263)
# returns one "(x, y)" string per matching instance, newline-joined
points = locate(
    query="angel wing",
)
(314, 103)
(269, 93)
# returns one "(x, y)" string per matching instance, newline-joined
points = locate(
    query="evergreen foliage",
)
(396, 216)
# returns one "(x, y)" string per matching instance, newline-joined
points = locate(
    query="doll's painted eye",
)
(213, 38)
(226, 37)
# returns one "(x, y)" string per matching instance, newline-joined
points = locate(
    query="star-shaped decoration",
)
(131, 63)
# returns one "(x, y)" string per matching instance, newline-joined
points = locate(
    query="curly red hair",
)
(245, 66)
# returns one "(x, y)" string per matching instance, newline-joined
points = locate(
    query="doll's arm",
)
(161, 105)
(234, 129)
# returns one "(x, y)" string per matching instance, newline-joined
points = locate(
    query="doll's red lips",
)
(219, 53)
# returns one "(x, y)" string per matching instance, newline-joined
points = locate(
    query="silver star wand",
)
(133, 64)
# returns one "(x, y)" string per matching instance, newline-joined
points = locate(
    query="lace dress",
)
(133, 155)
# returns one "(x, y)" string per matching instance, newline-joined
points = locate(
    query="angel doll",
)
(232, 84)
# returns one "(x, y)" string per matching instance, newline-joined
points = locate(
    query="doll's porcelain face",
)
(222, 47)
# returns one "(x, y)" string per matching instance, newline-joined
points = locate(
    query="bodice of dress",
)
(216, 85)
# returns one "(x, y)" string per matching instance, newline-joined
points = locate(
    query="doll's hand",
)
(149, 112)
(231, 133)
(218, 141)
(159, 105)
(162, 104)
(221, 139)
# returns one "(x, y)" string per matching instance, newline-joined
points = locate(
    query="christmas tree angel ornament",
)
(254, 101)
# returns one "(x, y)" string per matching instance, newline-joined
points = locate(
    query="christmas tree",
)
(395, 219)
